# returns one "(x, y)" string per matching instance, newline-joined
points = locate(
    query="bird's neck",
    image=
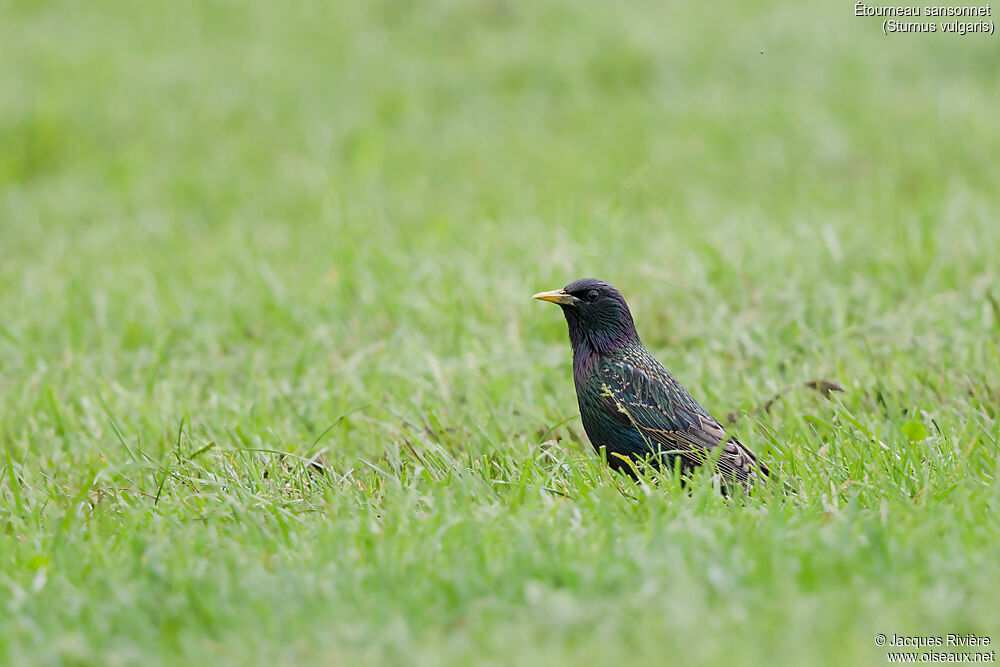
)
(590, 344)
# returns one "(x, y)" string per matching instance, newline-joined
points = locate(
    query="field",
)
(273, 389)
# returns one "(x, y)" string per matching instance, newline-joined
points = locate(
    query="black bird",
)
(629, 403)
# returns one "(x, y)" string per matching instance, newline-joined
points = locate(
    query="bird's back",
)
(635, 408)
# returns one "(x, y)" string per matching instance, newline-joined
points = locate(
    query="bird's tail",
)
(757, 470)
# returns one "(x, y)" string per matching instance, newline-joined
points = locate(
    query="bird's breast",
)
(601, 428)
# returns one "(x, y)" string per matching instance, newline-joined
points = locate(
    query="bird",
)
(630, 405)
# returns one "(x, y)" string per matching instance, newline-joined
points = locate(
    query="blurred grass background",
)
(223, 226)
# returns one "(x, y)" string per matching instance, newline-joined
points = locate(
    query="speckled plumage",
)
(629, 403)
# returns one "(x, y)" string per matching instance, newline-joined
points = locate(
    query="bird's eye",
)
(592, 296)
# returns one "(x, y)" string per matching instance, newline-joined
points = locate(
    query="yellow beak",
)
(556, 296)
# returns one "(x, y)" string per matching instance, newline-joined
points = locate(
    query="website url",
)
(943, 656)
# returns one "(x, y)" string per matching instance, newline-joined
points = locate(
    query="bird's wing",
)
(654, 403)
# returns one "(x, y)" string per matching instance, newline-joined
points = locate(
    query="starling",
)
(629, 403)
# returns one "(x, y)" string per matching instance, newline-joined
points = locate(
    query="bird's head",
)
(596, 313)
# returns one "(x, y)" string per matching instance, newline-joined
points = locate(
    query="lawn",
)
(273, 389)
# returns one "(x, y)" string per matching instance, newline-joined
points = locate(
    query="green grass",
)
(239, 237)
